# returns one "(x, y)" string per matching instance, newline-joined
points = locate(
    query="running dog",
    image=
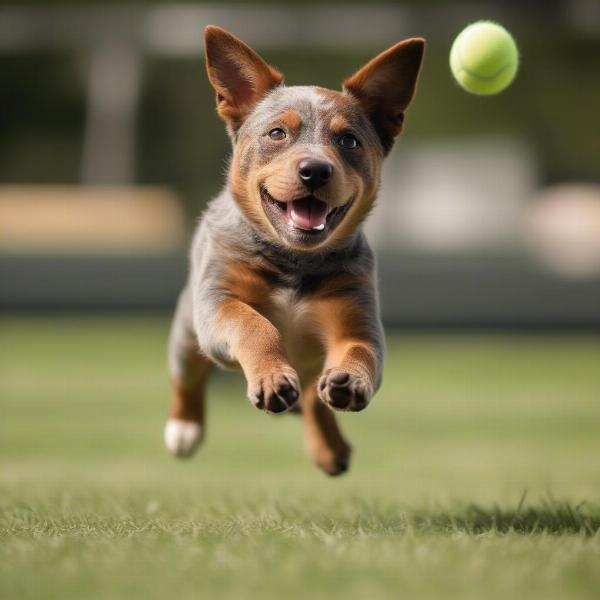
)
(282, 281)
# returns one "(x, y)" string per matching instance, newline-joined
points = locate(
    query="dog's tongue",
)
(307, 213)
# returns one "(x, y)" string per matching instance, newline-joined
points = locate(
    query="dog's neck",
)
(317, 262)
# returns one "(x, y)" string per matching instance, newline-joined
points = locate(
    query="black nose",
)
(314, 173)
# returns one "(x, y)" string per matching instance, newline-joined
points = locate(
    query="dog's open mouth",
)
(308, 215)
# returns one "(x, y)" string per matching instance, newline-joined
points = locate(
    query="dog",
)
(282, 281)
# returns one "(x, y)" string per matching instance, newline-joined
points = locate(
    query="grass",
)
(476, 475)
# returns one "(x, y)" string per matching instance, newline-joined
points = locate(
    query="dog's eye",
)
(277, 134)
(348, 141)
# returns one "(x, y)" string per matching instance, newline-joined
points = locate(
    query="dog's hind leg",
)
(189, 371)
(324, 439)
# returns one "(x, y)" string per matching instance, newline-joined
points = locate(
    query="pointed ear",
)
(385, 86)
(238, 74)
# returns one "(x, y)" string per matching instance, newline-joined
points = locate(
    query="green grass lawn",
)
(476, 474)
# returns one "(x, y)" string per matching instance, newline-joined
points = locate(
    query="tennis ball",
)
(484, 58)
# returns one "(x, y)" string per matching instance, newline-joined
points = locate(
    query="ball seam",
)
(476, 75)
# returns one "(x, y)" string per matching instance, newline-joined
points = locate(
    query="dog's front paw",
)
(275, 392)
(344, 391)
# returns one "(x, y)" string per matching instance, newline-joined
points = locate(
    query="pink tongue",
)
(307, 213)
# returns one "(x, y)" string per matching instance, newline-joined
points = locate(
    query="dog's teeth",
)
(320, 227)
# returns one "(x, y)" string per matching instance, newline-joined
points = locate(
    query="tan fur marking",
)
(339, 124)
(291, 119)
(187, 400)
(255, 342)
(345, 332)
(335, 287)
(247, 195)
(242, 281)
(361, 206)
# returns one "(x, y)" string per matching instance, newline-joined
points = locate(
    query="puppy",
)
(282, 281)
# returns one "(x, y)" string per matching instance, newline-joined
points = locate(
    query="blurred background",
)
(488, 237)
(110, 148)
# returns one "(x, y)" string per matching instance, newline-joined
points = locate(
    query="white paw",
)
(182, 437)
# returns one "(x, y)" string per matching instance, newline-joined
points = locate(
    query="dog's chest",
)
(291, 315)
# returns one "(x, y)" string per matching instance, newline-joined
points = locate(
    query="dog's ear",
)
(238, 74)
(386, 85)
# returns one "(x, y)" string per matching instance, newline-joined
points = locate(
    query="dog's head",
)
(306, 160)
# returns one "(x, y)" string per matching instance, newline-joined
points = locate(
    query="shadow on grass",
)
(555, 518)
(221, 517)
(545, 517)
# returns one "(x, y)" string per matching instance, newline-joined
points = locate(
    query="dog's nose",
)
(314, 173)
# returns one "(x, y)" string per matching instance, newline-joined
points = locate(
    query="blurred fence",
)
(471, 227)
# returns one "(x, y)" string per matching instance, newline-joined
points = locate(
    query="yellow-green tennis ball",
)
(484, 58)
